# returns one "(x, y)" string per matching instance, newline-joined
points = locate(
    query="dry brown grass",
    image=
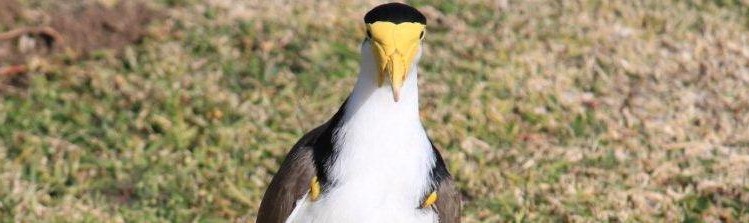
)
(579, 111)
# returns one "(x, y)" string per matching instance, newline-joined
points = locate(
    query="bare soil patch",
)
(74, 27)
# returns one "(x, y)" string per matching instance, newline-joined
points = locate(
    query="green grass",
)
(587, 111)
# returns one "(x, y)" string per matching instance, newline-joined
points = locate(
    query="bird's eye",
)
(422, 35)
(369, 34)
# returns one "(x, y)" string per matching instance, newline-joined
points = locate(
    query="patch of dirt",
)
(97, 27)
(75, 27)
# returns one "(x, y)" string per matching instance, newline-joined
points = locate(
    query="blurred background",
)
(182, 110)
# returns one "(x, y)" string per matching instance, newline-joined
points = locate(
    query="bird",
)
(373, 160)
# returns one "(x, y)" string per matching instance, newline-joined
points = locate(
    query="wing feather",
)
(291, 182)
(448, 202)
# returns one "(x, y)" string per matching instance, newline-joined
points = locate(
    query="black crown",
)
(395, 13)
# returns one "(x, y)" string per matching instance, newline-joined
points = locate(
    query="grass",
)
(586, 111)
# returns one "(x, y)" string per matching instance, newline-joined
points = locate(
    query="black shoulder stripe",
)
(439, 172)
(324, 154)
(395, 13)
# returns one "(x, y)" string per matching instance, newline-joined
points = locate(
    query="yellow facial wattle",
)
(395, 46)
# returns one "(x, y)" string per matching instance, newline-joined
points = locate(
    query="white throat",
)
(381, 171)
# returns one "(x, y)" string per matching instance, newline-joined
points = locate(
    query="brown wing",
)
(291, 182)
(448, 202)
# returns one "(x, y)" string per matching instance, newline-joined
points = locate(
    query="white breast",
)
(384, 158)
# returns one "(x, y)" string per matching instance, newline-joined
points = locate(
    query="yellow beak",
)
(395, 46)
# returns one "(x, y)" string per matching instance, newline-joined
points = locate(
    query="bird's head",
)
(395, 32)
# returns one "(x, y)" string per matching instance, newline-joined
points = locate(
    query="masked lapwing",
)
(372, 161)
